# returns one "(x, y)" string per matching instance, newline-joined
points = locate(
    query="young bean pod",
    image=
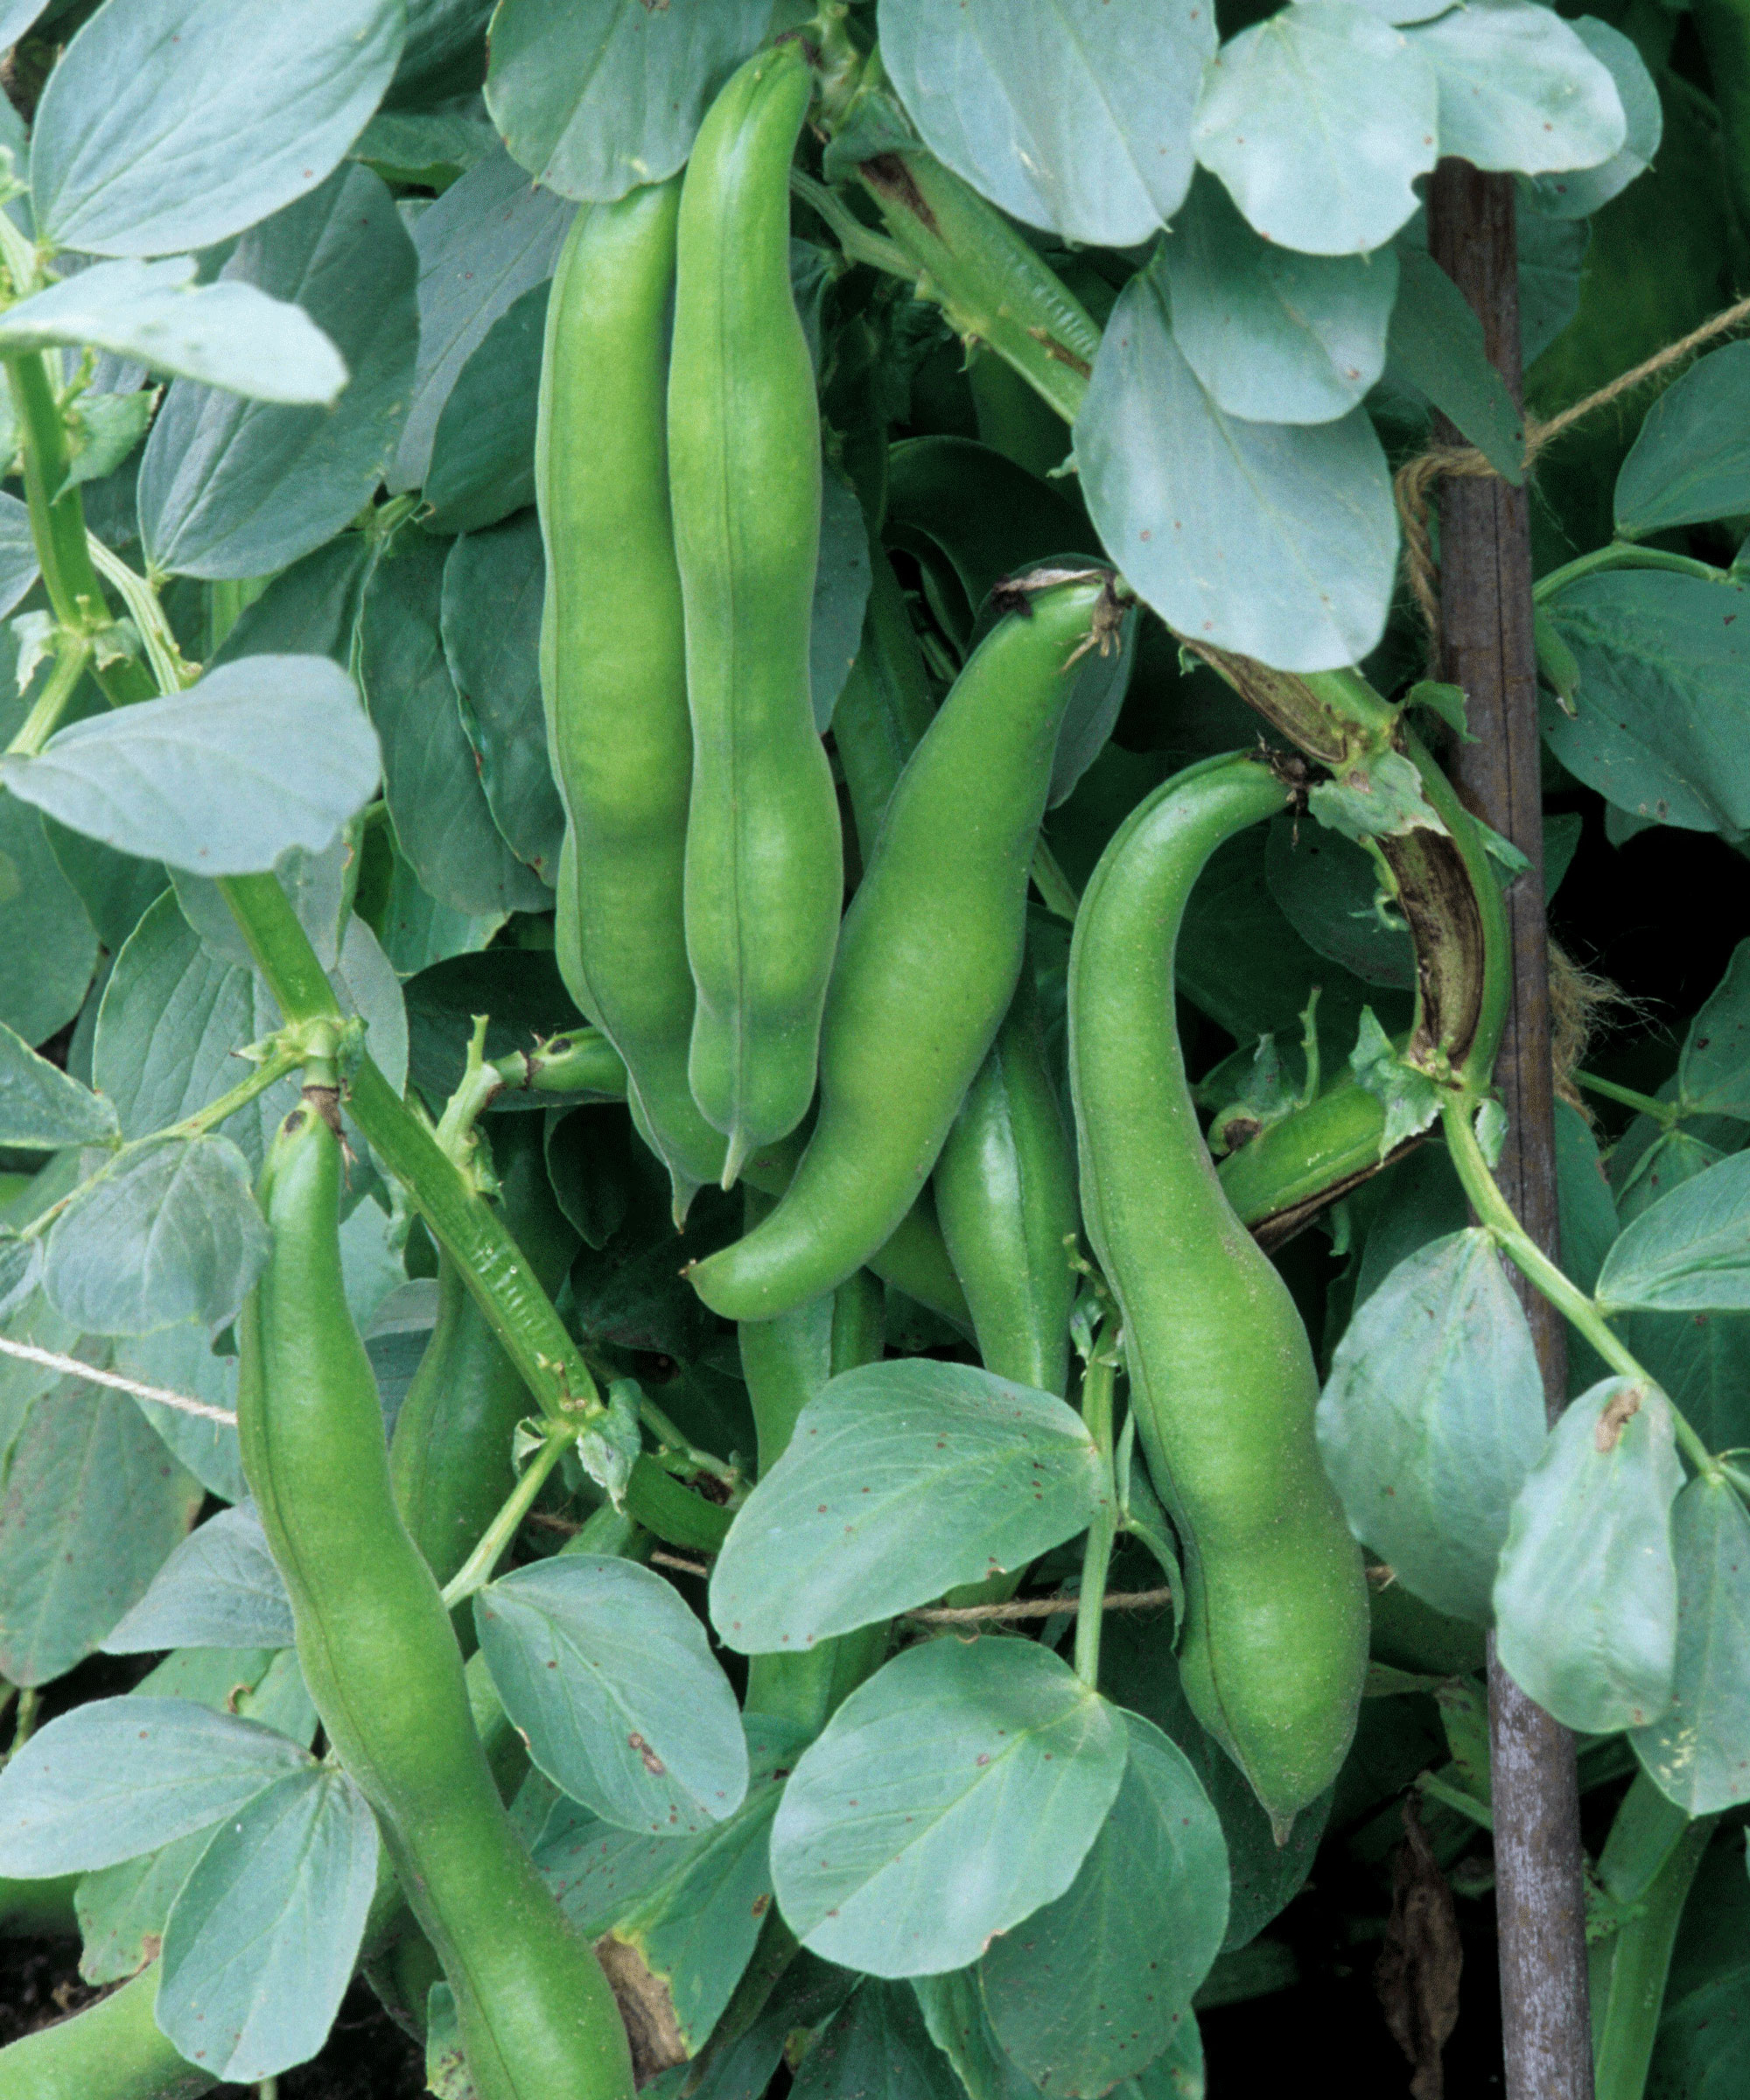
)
(450, 1458)
(764, 873)
(1223, 1382)
(927, 960)
(538, 2021)
(613, 676)
(110, 2051)
(1005, 1193)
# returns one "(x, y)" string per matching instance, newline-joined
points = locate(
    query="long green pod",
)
(538, 2021)
(764, 868)
(450, 1458)
(613, 674)
(1281, 1178)
(928, 957)
(1005, 1195)
(110, 2051)
(1222, 1380)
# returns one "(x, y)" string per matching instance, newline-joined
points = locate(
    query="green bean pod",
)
(613, 676)
(111, 2050)
(450, 1458)
(1005, 1195)
(1221, 1377)
(928, 960)
(537, 2020)
(764, 872)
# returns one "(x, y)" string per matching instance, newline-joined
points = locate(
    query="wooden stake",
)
(1486, 647)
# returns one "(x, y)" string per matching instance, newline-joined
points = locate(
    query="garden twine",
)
(1415, 481)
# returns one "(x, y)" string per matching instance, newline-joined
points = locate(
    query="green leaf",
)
(1435, 344)
(1410, 1099)
(1713, 1072)
(1691, 1251)
(1138, 1667)
(1585, 1603)
(235, 488)
(102, 428)
(1519, 89)
(1431, 1418)
(1698, 1753)
(1073, 119)
(950, 1798)
(1552, 254)
(1278, 540)
(1272, 335)
(226, 335)
(422, 149)
(168, 1031)
(1093, 1988)
(493, 583)
(262, 754)
(1676, 1156)
(484, 242)
(842, 579)
(690, 1908)
(1381, 797)
(167, 1231)
(443, 821)
(953, 2007)
(218, 1589)
(92, 1505)
(1691, 461)
(118, 1777)
(609, 1678)
(261, 1940)
(122, 1909)
(18, 552)
(173, 124)
(1663, 727)
(1576, 193)
(182, 1360)
(593, 97)
(900, 1481)
(483, 449)
(48, 948)
(1319, 120)
(1329, 888)
(41, 1109)
(877, 2048)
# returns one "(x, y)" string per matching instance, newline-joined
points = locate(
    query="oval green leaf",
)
(1698, 1753)
(1688, 1252)
(1585, 1602)
(900, 1481)
(947, 1799)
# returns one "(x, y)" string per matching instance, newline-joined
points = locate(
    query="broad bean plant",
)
(753, 1321)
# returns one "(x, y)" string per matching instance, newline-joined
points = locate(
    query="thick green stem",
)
(1057, 892)
(1623, 554)
(1097, 1412)
(1582, 1313)
(285, 1057)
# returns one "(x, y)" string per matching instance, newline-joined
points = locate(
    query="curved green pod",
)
(538, 2018)
(110, 2051)
(928, 960)
(450, 1458)
(1005, 1195)
(1290, 1170)
(1222, 1380)
(613, 676)
(764, 873)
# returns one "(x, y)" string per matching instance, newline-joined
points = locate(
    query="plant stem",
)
(582, 1062)
(1663, 1112)
(141, 598)
(859, 242)
(285, 1057)
(476, 1572)
(671, 1437)
(29, 1700)
(1623, 554)
(1097, 1412)
(49, 704)
(1057, 892)
(1580, 1312)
